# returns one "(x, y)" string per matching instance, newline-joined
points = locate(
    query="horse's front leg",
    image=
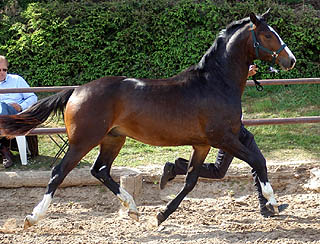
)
(197, 158)
(257, 161)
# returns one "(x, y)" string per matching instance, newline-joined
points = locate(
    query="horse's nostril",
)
(293, 61)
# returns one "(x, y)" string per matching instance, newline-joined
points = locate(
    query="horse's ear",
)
(266, 14)
(254, 19)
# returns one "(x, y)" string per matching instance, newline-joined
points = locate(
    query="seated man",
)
(12, 103)
(218, 169)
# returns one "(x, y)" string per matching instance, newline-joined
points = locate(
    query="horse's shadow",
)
(297, 234)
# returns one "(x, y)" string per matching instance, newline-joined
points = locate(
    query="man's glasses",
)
(4, 70)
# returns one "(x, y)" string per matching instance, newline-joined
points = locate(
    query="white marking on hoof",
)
(133, 215)
(28, 221)
(267, 192)
(127, 201)
(38, 212)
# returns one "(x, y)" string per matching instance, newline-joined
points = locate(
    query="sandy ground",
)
(215, 212)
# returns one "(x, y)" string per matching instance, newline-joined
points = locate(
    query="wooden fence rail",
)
(300, 81)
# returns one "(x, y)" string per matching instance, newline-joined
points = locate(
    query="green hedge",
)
(69, 43)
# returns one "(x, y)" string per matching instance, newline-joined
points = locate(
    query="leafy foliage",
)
(73, 42)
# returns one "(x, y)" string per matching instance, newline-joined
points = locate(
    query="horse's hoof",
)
(269, 210)
(28, 222)
(160, 218)
(282, 207)
(134, 215)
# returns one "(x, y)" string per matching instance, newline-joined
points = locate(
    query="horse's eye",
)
(268, 36)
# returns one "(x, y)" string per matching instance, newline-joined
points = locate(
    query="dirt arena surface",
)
(215, 212)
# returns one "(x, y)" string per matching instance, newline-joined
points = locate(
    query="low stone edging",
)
(279, 175)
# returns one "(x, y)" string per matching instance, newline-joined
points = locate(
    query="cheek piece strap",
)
(258, 46)
(274, 55)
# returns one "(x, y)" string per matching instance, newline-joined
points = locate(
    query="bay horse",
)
(200, 107)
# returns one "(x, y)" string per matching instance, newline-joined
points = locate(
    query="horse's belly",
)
(163, 138)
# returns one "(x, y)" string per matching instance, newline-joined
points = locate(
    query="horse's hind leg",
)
(59, 172)
(109, 150)
(197, 158)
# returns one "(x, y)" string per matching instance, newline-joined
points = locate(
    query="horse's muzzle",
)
(287, 63)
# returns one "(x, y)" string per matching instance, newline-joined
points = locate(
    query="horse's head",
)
(268, 44)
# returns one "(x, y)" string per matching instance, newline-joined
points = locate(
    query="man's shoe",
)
(7, 157)
(167, 174)
(7, 163)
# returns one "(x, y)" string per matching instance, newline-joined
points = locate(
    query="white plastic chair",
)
(22, 147)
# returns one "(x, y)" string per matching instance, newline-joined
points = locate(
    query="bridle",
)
(258, 46)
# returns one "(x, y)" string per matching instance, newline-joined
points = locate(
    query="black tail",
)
(22, 123)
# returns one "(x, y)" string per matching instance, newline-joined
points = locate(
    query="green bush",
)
(70, 43)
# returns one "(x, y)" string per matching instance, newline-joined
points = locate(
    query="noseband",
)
(258, 46)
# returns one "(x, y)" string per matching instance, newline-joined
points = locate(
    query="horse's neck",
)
(232, 62)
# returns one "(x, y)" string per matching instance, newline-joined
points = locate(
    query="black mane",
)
(219, 43)
(215, 57)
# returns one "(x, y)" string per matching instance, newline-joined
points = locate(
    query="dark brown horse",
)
(200, 107)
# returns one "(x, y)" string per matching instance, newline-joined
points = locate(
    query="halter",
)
(257, 46)
(274, 55)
